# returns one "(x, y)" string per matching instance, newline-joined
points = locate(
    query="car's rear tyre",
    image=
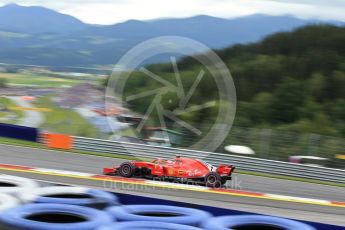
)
(126, 169)
(223, 181)
(213, 180)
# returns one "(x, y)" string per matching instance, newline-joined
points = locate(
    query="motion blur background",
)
(287, 60)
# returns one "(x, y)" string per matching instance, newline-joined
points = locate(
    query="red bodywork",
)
(178, 168)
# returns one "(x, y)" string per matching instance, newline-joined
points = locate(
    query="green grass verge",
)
(65, 120)
(7, 103)
(120, 156)
(16, 142)
(21, 143)
(36, 80)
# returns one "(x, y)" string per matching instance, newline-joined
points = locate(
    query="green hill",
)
(292, 81)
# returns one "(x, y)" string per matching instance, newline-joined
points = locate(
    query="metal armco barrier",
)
(243, 163)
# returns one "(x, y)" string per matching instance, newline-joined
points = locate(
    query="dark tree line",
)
(292, 81)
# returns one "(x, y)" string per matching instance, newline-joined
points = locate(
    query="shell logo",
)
(170, 171)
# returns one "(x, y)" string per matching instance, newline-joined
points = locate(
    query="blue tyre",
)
(159, 213)
(53, 217)
(258, 221)
(71, 195)
(147, 225)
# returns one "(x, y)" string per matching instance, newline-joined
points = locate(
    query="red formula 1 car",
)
(180, 169)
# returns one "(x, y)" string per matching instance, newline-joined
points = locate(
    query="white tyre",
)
(14, 184)
(7, 201)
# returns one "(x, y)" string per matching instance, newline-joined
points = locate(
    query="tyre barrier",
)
(147, 225)
(159, 213)
(253, 222)
(71, 195)
(7, 201)
(64, 207)
(13, 184)
(53, 217)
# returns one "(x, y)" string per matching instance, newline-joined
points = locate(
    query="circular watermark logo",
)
(208, 63)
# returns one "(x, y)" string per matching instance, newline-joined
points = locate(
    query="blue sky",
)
(113, 11)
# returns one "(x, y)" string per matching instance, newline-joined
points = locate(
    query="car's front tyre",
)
(127, 169)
